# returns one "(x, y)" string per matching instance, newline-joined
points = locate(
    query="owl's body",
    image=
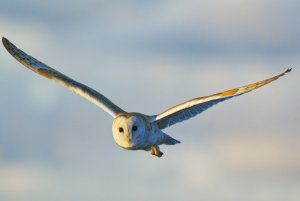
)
(135, 131)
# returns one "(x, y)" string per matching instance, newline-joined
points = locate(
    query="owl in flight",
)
(131, 130)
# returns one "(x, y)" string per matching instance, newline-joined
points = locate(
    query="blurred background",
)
(147, 56)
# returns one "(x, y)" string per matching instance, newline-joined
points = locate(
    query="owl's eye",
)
(121, 130)
(134, 128)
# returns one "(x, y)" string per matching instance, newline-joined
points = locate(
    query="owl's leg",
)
(156, 152)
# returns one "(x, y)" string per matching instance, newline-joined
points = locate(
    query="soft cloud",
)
(147, 56)
(260, 153)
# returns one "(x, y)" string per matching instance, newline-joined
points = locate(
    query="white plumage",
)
(135, 131)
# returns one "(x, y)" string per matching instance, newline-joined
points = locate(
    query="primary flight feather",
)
(135, 131)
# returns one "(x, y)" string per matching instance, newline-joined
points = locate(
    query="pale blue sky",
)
(147, 56)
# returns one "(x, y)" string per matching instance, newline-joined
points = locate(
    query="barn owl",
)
(131, 130)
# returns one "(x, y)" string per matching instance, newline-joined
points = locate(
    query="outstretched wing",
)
(48, 72)
(196, 106)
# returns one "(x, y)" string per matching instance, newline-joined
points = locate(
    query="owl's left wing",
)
(52, 74)
(196, 106)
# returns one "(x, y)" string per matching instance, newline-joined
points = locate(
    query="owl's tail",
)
(170, 141)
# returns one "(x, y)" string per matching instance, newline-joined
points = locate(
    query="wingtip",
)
(5, 41)
(288, 70)
(8, 45)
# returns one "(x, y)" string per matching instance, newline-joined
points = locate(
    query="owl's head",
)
(130, 131)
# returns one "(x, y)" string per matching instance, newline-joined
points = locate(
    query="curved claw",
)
(156, 151)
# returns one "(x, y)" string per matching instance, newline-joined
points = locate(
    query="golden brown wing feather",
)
(196, 106)
(50, 73)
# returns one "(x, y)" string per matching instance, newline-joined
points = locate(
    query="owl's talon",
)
(156, 152)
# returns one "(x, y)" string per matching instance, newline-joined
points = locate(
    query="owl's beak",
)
(128, 134)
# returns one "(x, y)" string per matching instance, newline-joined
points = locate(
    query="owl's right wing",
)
(196, 106)
(48, 72)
